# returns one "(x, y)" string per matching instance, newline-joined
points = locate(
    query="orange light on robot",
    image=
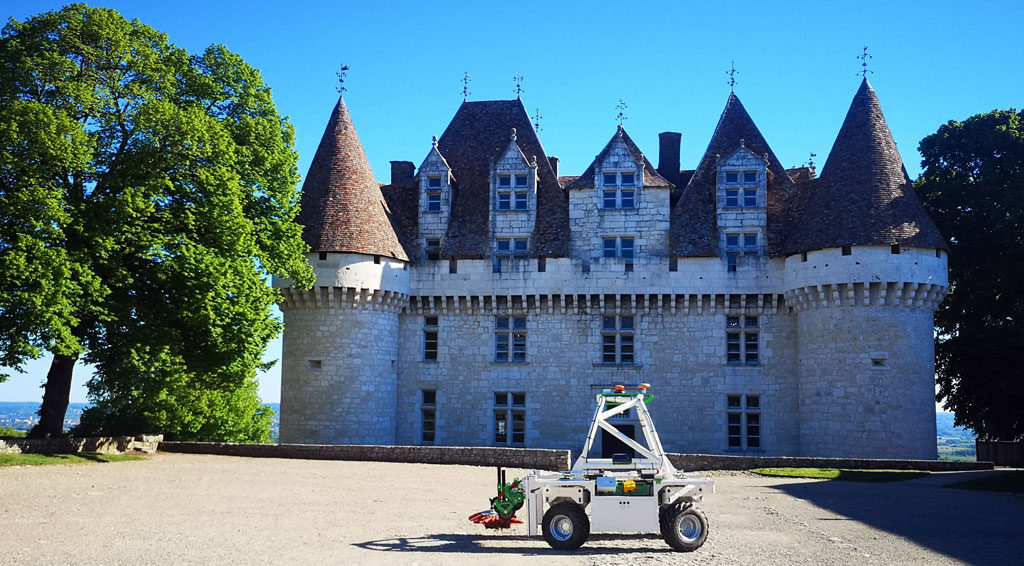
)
(644, 386)
(620, 388)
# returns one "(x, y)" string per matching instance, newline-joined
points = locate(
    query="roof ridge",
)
(652, 178)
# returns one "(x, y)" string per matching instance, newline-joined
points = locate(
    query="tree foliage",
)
(973, 186)
(147, 195)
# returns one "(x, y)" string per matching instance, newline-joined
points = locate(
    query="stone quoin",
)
(480, 299)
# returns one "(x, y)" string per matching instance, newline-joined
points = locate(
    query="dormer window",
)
(433, 203)
(741, 189)
(739, 244)
(513, 198)
(618, 191)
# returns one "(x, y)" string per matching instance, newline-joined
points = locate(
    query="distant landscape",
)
(954, 443)
(22, 416)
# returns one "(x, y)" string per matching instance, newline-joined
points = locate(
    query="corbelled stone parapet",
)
(343, 298)
(905, 294)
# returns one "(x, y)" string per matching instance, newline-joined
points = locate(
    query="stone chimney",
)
(402, 173)
(668, 155)
(554, 165)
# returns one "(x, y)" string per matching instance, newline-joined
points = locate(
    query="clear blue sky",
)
(932, 61)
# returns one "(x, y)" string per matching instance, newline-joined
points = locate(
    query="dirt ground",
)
(193, 509)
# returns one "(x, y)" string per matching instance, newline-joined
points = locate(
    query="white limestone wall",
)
(601, 275)
(681, 355)
(350, 398)
(866, 350)
(852, 407)
(340, 348)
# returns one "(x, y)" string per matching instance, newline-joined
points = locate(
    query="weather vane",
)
(621, 107)
(465, 87)
(341, 79)
(864, 63)
(536, 119)
(732, 76)
(518, 80)
(810, 162)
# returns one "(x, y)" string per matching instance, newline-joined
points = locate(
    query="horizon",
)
(408, 59)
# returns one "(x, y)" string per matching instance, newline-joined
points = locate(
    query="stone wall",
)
(704, 462)
(100, 444)
(681, 354)
(453, 455)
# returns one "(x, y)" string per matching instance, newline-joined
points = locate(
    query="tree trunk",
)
(57, 393)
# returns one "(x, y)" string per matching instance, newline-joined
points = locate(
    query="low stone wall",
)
(701, 462)
(530, 458)
(100, 444)
(1001, 453)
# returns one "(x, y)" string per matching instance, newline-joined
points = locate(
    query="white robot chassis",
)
(642, 494)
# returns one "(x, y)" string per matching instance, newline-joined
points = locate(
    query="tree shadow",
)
(526, 545)
(970, 526)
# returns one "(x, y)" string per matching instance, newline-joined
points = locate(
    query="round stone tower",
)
(866, 272)
(339, 375)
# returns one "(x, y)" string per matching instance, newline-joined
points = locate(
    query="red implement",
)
(489, 519)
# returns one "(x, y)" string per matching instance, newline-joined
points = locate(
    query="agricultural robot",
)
(622, 494)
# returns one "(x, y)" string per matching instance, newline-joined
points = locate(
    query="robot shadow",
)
(525, 545)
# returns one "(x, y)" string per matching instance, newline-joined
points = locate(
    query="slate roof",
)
(342, 208)
(694, 220)
(864, 196)
(476, 137)
(651, 176)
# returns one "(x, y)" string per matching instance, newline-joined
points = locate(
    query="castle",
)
(481, 298)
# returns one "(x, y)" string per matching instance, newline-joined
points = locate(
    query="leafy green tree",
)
(973, 186)
(147, 195)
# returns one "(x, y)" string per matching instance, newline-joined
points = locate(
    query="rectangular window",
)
(617, 340)
(732, 177)
(509, 247)
(430, 338)
(732, 197)
(628, 180)
(433, 182)
(433, 201)
(610, 247)
(521, 200)
(743, 421)
(521, 181)
(504, 200)
(750, 197)
(432, 247)
(608, 199)
(750, 177)
(610, 179)
(628, 198)
(510, 339)
(509, 418)
(742, 340)
(505, 181)
(428, 415)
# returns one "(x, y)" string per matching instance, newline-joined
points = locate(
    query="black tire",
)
(663, 511)
(685, 528)
(566, 526)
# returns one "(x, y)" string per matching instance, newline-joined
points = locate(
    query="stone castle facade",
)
(481, 298)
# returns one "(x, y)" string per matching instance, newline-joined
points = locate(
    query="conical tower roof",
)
(695, 228)
(342, 208)
(864, 196)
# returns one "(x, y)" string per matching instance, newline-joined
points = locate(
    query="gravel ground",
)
(193, 509)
